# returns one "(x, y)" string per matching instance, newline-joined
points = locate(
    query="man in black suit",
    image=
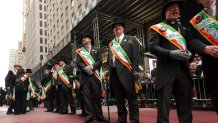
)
(122, 78)
(9, 84)
(45, 81)
(172, 75)
(65, 86)
(90, 84)
(208, 49)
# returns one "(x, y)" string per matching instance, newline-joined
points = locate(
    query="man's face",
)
(28, 74)
(118, 29)
(56, 67)
(61, 63)
(17, 68)
(205, 3)
(86, 40)
(172, 12)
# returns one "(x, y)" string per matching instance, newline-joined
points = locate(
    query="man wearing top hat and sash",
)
(205, 27)
(122, 69)
(65, 86)
(168, 41)
(89, 61)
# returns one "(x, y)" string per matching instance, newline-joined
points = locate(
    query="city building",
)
(35, 33)
(12, 57)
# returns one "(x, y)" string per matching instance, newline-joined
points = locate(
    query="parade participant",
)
(89, 61)
(122, 69)
(9, 84)
(55, 91)
(46, 89)
(168, 41)
(205, 27)
(21, 88)
(65, 86)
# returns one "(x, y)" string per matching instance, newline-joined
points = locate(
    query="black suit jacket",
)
(210, 64)
(131, 48)
(10, 80)
(167, 68)
(96, 55)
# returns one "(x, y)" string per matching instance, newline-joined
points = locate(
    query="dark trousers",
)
(67, 98)
(211, 81)
(49, 100)
(11, 106)
(182, 90)
(120, 94)
(20, 102)
(92, 99)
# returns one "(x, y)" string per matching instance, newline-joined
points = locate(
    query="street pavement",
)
(147, 115)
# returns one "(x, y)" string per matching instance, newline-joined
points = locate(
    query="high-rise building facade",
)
(35, 34)
(12, 56)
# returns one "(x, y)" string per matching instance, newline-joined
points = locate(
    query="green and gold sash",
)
(206, 26)
(120, 54)
(170, 34)
(87, 58)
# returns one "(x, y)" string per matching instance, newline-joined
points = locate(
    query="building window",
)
(58, 35)
(45, 32)
(45, 49)
(45, 40)
(44, 1)
(41, 32)
(54, 38)
(40, 23)
(40, 15)
(41, 57)
(41, 48)
(45, 16)
(40, 6)
(44, 8)
(57, 23)
(54, 17)
(40, 0)
(66, 10)
(41, 40)
(54, 28)
(62, 30)
(67, 24)
(45, 24)
(62, 17)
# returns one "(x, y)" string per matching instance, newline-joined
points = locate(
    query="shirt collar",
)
(120, 38)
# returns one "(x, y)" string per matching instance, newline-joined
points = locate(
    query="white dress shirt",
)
(119, 39)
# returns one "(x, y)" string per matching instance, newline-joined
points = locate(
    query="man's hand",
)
(90, 73)
(180, 55)
(87, 69)
(211, 50)
(135, 75)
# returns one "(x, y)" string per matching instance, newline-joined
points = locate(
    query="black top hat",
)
(118, 20)
(20, 71)
(87, 34)
(62, 58)
(169, 2)
(28, 71)
(16, 65)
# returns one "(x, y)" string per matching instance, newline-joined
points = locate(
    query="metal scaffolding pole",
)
(96, 30)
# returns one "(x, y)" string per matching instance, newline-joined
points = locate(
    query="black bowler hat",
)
(50, 64)
(118, 20)
(87, 34)
(28, 71)
(62, 58)
(168, 3)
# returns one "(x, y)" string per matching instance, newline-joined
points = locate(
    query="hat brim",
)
(90, 37)
(167, 5)
(121, 23)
